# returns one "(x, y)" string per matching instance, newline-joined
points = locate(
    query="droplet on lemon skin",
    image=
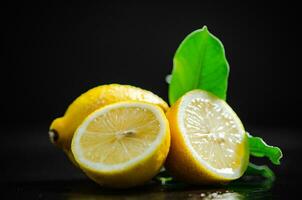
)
(62, 129)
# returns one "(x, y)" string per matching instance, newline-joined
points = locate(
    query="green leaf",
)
(163, 177)
(199, 63)
(262, 170)
(163, 180)
(259, 148)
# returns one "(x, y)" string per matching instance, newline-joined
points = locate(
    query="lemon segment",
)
(207, 133)
(123, 144)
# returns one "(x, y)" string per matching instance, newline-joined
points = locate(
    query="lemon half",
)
(123, 144)
(208, 140)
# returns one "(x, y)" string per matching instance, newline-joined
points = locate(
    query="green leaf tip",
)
(205, 28)
(259, 148)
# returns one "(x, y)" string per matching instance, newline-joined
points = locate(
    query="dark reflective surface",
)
(85, 189)
(34, 169)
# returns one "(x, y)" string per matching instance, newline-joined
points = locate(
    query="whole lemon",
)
(62, 129)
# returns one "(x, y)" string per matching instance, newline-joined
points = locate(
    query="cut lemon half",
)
(208, 140)
(122, 145)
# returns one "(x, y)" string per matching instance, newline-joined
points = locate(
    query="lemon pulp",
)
(208, 140)
(214, 133)
(119, 135)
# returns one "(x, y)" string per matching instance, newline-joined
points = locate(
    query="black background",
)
(54, 52)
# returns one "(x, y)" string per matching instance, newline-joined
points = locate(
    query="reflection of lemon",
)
(208, 141)
(218, 195)
(122, 144)
(63, 128)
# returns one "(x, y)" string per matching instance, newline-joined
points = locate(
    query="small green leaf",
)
(262, 170)
(199, 63)
(259, 148)
(164, 180)
(163, 177)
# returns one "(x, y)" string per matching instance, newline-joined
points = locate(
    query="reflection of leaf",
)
(257, 180)
(262, 170)
(259, 148)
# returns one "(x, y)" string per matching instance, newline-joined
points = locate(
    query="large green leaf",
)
(199, 63)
